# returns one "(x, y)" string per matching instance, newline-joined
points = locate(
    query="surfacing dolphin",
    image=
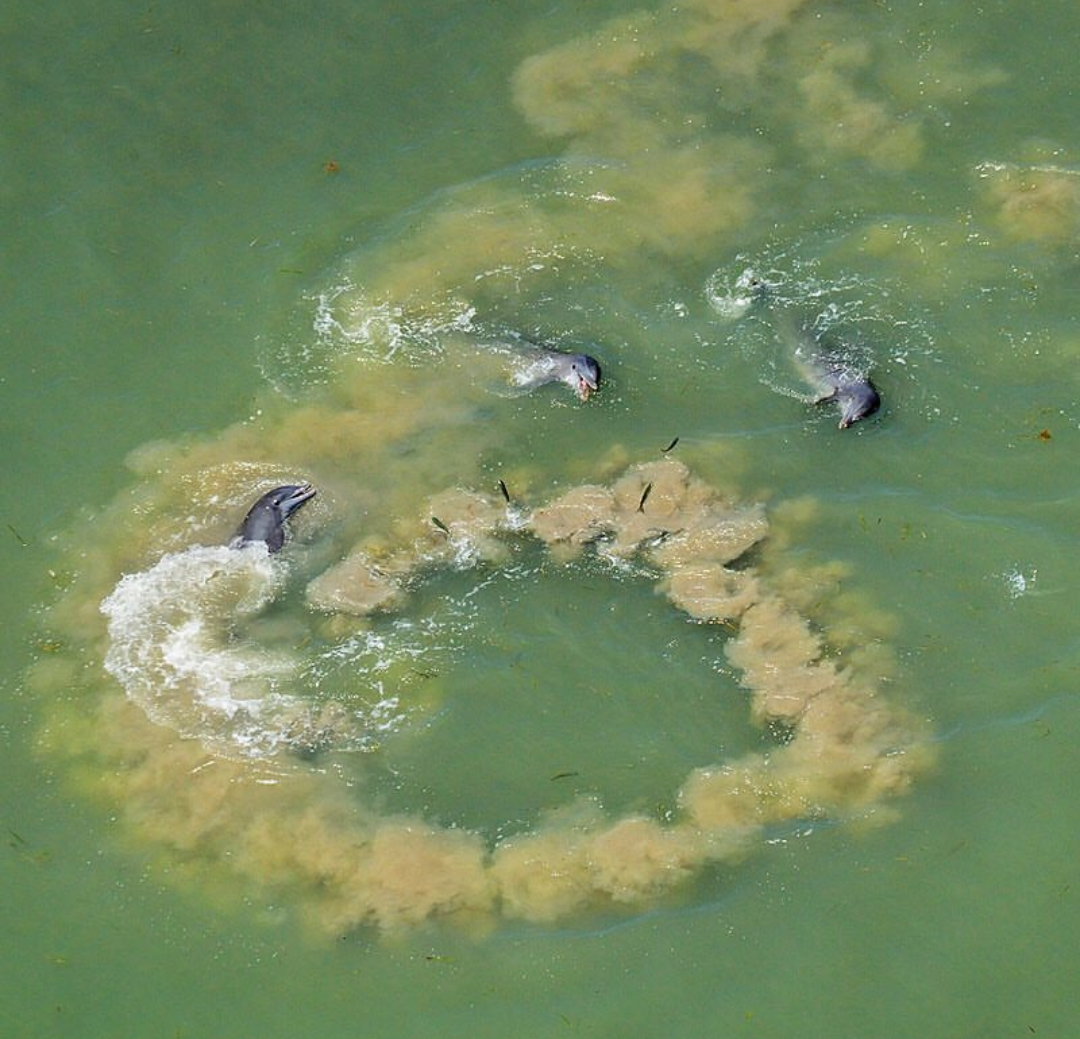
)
(832, 372)
(578, 371)
(837, 379)
(265, 521)
(542, 365)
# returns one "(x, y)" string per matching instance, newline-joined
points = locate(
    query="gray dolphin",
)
(837, 379)
(833, 372)
(265, 521)
(542, 365)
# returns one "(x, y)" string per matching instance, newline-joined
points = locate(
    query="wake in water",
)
(169, 635)
(783, 311)
(183, 645)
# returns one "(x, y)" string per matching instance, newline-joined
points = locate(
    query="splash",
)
(168, 646)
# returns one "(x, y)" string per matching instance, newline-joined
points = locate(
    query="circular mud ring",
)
(845, 749)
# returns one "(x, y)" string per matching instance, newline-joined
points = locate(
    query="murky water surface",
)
(672, 711)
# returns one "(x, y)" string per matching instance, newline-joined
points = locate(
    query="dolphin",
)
(838, 380)
(541, 365)
(265, 521)
(833, 372)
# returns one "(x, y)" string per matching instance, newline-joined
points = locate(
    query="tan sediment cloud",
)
(842, 120)
(573, 88)
(1038, 202)
(671, 126)
(306, 839)
(355, 585)
(627, 72)
(644, 168)
(650, 166)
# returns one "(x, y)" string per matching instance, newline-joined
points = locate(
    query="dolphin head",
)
(581, 374)
(265, 521)
(857, 399)
(286, 500)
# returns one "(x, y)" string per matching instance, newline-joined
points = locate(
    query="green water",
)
(170, 222)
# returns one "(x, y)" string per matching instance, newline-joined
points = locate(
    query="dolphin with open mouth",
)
(265, 521)
(540, 365)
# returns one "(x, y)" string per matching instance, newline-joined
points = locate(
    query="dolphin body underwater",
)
(833, 372)
(837, 379)
(265, 521)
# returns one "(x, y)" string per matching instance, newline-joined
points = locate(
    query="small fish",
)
(564, 775)
(18, 537)
(505, 492)
(670, 446)
(442, 526)
(644, 497)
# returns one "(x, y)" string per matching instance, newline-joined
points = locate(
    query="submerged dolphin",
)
(837, 379)
(543, 365)
(833, 372)
(265, 521)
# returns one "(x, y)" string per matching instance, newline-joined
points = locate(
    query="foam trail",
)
(169, 629)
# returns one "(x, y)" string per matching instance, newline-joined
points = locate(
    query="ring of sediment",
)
(846, 748)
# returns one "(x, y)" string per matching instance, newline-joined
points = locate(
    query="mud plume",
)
(154, 743)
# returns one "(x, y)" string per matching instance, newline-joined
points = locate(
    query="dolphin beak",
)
(303, 493)
(585, 388)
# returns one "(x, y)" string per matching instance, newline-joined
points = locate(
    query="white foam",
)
(731, 298)
(347, 321)
(173, 647)
(341, 322)
(1018, 583)
(990, 168)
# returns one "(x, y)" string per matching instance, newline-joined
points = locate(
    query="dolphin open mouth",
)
(588, 376)
(300, 494)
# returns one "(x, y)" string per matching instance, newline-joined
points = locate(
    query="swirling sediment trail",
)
(182, 706)
(257, 812)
